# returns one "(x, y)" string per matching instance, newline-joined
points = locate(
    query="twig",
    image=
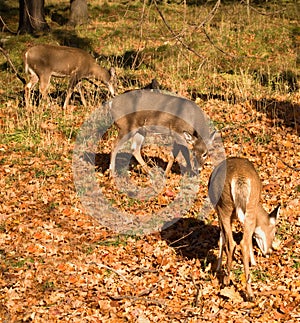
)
(198, 288)
(140, 296)
(181, 238)
(217, 47)
(140, 47)
(5, 26)
(260, 12)
(151, 289)
(209, 16)
(137, 298)
(176, 36)
(113, 270)
(297, 169)
(12, 65)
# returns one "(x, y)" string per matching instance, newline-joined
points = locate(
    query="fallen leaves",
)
(58, 263)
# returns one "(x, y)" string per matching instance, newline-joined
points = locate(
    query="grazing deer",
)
(44, 61)
(235, 191)
(136, 113)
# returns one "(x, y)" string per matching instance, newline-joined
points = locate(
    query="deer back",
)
(235, 183)
(60, 60)
(149, 104)
(157, 112)
(64, 61)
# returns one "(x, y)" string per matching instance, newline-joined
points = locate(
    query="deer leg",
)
(137, 142)
(81, 92)
(68, 96)
(229, 243)
(44, 85)
(72, 83)
(221, 248)
(246, 244)
(252, 258)
(185, 153)
(172, 157)
(29, 87)
(170, 163)
(113, 156)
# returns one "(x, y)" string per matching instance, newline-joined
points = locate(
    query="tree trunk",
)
(79, 12)
(32, 17)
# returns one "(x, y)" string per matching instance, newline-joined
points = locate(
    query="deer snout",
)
(201, 161)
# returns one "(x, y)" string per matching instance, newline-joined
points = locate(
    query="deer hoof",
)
(250, 298)
(250, 295)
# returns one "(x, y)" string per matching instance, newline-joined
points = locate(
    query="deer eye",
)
(204, 155)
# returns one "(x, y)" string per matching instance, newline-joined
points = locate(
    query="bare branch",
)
(209, 17)
(260, 12)
(218, 48)
(4, 26)
(296, 169)
(12, 65)
(176, 36)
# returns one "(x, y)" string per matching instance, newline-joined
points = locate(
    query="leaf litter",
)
(57, 263)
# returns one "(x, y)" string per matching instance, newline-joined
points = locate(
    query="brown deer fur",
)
(235, 191)
(45, 61)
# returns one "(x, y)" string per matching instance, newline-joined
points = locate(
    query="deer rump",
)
(139, 112)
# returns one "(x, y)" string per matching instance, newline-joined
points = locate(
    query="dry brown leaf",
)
(232, 294)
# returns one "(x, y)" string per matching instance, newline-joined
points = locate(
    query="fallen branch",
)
(197, 296)
(137, 299)
(260, 12)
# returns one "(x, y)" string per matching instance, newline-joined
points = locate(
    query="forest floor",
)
(61, 263)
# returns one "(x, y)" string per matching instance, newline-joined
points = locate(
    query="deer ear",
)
(189, 138)
(274, 215)
(211, 138)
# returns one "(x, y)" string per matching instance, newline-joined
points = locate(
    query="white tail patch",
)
(241, 215)
(240, 191)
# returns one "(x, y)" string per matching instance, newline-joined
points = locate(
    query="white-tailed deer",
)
(235, 192)
(138, 112)
(44, 61)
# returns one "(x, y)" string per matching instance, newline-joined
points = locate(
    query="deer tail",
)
(240, 190)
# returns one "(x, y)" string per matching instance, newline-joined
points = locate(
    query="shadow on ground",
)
(192, 238)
